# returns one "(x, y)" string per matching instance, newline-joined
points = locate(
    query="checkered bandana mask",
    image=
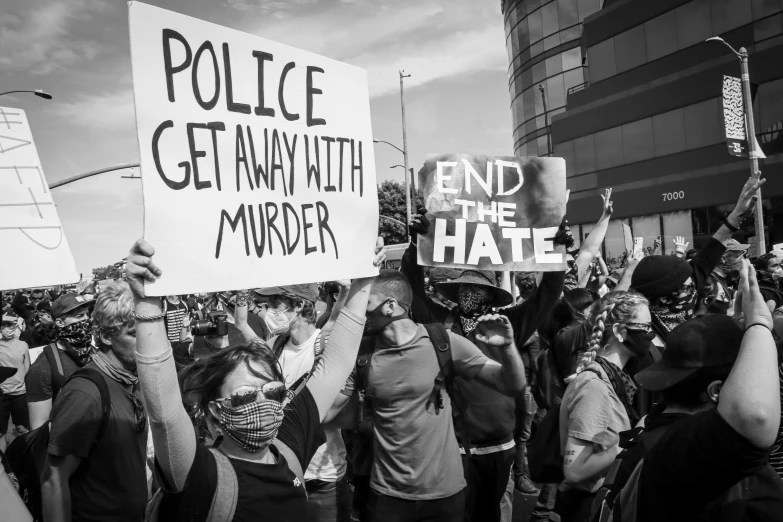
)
(252, 426)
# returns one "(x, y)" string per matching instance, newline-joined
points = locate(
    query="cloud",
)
(277, 8)
(109, 111)
(38, 41)
(429, 40)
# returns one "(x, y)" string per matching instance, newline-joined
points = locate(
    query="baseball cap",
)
(734, 245)
(710, 341)
(307, 291)
(69, 302)
(9, 314)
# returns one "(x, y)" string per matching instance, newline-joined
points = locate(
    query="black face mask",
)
(639, 342)
(376, 321)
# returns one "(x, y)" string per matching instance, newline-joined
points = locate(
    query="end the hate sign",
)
(256, 158)
(493, 213)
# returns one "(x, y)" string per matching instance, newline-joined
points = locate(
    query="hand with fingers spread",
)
(140, 269)
(607, 202)
(494, 330)
(680, 245)
(754, 305)
(746, 202)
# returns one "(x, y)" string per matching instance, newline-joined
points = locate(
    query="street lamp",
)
(38, 92)
(750, 135)
(391, 144)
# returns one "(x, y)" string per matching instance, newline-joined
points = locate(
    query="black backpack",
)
(544, 455)
(26, 455)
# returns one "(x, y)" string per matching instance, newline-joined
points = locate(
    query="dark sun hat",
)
(450, 289)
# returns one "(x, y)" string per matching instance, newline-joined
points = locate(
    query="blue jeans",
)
(326, 501)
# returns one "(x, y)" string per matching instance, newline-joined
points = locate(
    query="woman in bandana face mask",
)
(769, 274)
(261, 434)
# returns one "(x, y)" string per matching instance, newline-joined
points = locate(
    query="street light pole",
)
(38, 92)
(750, 135)
(405, 149)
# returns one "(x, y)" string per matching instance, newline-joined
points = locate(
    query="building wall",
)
(649, 123)
(544, 52)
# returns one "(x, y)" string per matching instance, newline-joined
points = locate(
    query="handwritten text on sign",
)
(496, 213)
(256, 157)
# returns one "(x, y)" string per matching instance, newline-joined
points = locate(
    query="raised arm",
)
(750, 398)
(424, 309)
(593, 242)
(340, 354)
(240, 317)
(743, 209)
(508, 375)
(172, 431)
(625, 281)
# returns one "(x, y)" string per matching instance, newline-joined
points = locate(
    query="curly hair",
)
(612, 308)
(113, 310)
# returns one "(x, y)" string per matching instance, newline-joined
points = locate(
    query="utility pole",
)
(750, 136)
(405, 148)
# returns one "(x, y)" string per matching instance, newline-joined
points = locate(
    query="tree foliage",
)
(391, 203)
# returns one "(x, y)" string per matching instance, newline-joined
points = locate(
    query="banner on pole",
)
(257, 158)
(734, 120)
(493, 213)
(36, 252)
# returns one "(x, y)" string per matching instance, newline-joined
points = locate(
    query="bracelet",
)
(148, 318)
(758, 324)
(729, 225)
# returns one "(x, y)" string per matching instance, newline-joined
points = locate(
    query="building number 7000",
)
(670, 196)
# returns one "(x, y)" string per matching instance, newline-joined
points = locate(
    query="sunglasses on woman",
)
(639, 327)
(274, 391)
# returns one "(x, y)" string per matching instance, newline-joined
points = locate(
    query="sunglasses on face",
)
(138, 410)
(639, 327)
(274, 391)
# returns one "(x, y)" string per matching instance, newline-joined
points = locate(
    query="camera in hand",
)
(215, 323)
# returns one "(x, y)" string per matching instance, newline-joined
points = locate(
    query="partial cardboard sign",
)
(493, 212)
(36, 251)
(257, 158)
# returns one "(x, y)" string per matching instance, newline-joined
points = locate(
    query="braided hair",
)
(612, 308)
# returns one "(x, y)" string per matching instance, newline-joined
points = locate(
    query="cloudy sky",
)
(456, 98)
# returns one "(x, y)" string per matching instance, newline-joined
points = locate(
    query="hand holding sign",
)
(256, 158)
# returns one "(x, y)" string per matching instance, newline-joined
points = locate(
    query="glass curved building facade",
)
(633, 102)
(545, 64)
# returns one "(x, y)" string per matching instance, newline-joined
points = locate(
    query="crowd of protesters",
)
(652, 393)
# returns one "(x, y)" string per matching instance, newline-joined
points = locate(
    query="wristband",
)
(148, 318)
(758, 324)
(729, 225)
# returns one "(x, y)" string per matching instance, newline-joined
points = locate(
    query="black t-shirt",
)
(696, 466)
(266, 491)
(111, 481)
(38, 380)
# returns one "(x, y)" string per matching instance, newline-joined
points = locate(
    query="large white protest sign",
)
(35, 251)
(256, 158)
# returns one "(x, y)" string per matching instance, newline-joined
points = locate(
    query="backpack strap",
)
(301, 382)
(103, 389)
(56, 367)
(224, 503)
(291, 459)
(278, 343)
(440, 340)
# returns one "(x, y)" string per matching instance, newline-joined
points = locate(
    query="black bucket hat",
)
(450, 289)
